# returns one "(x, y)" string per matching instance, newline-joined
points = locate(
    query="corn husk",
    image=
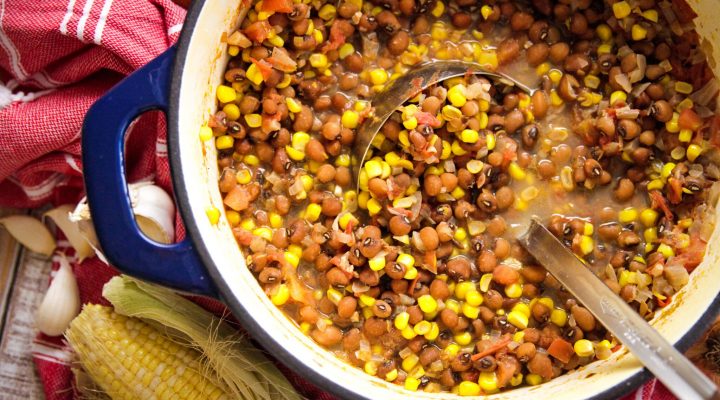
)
(240, 365)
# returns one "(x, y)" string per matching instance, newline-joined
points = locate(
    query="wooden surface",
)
(23, 280)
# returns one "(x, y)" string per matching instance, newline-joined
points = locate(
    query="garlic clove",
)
(154, 211)
(30, 232)
(61, 302)
(61, 217)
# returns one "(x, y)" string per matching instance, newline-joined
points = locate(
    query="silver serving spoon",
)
(408, 86)
(670, 366)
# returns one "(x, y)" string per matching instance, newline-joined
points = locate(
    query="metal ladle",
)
(397, 92)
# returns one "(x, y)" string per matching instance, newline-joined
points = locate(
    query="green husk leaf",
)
(242, 366)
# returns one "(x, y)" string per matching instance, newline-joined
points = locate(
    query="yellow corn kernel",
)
(486, 11)
(327, 12)
(467, 388)
(378, 76)
(276, 221)
(672, 126)
(377, 263)
(513, 291)
(457, 149)
(627, 215)
(438, 31)
(650, 15)
(253, 120)
(406, 260)
(469, 311)
(617, 97)
(457, 193)
(350, 119)
(401, 320)
(655, 184)
(206, 133)
(412, 384)
(463, 339)
(586, 245)
(488, 382)
(370, 368)
(665, 250)
(683, 87)
(249, 225)
(439, 9)
(253, 74)
(693, 152)
(450, 112)
(312, 212)
(453, 304)
(604, 32)
(345, 50)
(411, 274)
(373, 206)
(233, 217)
(518, 319)
(516, 171)
(584, 348)
(410, 123)
(533, 379)
(422, 327)
(427, 303)
(434, 332)
(648, 217)
(460, 234)
(226, 94)
(244, 176)
(558, 317)
(232, 111)
(490, 141)
(294, 153)
(485, 281)
(638, 32)
(213, 215)
(524, 308)
(408, 333)
(621, 9)
(473, 298)
(293, 105)
(592, 81)
(685, 135)
(650, 234)
(469, 136)
(281, 295)
(542, 69)
(292, 258)
(457, 95)
(318, 60)
(463, 288)
(224, 142)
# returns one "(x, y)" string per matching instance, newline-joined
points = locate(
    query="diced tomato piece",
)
(689, 120)
(425, 118)
(657, 201)
(683, 11)
(561, 349)
(264, 67)
(281, 6)
(238, 198)
(674, 191)
(258, 31)
(692, 255)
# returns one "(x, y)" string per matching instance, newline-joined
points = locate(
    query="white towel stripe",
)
(174, 29)
(83, 19)
(101, 21)
(67, 17)
(71, 162)
(43, 189)
(10, 48)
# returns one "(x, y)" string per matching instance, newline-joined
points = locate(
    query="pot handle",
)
(103, 142)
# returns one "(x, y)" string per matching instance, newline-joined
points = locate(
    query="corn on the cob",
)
(129, 359)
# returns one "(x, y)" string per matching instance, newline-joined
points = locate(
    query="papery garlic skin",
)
(61, 302)
(78, 240)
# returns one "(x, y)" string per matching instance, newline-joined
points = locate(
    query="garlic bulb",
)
(154, 211)
(61, 302)
(30, 232)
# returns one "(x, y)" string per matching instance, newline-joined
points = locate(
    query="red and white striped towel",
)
(56, 58)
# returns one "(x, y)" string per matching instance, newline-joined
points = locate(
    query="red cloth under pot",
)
(56, 58)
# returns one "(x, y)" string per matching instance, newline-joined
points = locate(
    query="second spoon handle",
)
(670, 366)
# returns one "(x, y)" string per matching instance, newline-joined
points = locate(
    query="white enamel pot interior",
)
(199, 67)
